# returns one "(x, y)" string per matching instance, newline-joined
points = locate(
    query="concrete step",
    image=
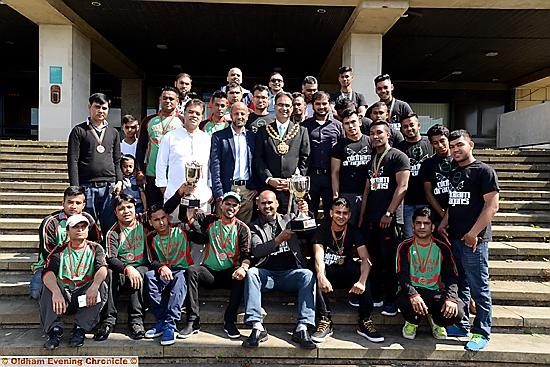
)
(520, 233)
(210, 347)
(34, 157)
(524, 194)
(523, 175)
(522, 217)
(53, 151)
(520, 167)
(519, 250)
(19, 225)
(523, 184)
(523, 205)
(33, 187)
(32, 143)
(32, 166)
(489, 152)
(32, 211)
(497, 159)
(19, 242)
(41, 177)
(31, 198)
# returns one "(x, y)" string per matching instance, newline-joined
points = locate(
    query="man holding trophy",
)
(282, 150)
(183, 157)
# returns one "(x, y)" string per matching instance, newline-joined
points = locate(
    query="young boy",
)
(130, 185)
(130, 126)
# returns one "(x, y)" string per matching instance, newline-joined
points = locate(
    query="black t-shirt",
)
(417, 152)
(256, 121)
(355, 156)
(383, 184)
(283, 258)
(395, 135)
(352, 239)
(400, 109)
(357, 98)
(436, 170)
(467, 187)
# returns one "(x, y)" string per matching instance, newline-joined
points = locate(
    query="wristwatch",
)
(389, 214)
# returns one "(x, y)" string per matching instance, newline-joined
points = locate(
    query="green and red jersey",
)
(172, 250)
(126, 245)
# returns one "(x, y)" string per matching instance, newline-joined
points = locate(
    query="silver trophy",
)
(193, 172)
(299, 185)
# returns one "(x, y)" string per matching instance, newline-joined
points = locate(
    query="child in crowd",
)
(130, 126)
(130, 185)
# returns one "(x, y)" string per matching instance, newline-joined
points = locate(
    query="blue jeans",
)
(36, 284)
(166, 306)
(473, 274)
(258, 280)
(408, 211)
(99, 205)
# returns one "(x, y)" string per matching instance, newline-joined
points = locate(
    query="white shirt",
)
(178, 147)
(126, 148)
(241, 171)
(309, 112)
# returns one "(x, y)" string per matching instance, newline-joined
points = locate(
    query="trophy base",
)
(191, 202)
(303, 225)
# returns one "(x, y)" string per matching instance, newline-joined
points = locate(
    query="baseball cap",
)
(231, 194)
(75, 219)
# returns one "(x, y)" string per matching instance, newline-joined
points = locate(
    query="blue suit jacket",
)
(222, 161)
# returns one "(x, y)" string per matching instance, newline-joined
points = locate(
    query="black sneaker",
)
(54, 338)
(324, 330)
(231, 330)
(137, 331)
(191, 328)
(103, 332)
(367, 329)
(77, 339)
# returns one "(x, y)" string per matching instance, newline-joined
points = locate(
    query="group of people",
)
(406, 218)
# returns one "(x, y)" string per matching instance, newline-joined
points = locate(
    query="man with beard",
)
(299, 108)
(276, 84)
(418, 149)
(397, 109)
(334, 246)
(379, 111)
(260, 115)
(387, 179)
(231, 162)
(225, 263)
(217, 120)
(152, 131)
(349, 160)
(279, 265)
(127, 259)
(309, 87)
(181, 146)
(183, 84)
(428, 280)
(323, 133)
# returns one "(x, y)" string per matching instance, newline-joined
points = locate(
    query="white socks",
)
(258, 325)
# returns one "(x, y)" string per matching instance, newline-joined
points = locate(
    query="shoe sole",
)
(473, 349)
(353, 304)
(406, 336)
(256, 346)
(181, 336)
(370, 338)
(232, 336)
(321, 340)
(439, 337)
(167, 342)
(385, 313)
(152, 336)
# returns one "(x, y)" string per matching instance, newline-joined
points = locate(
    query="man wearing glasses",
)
(276, 84)
(397, 109)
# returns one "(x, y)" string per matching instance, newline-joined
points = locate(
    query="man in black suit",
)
(231, 168)
(282, 150)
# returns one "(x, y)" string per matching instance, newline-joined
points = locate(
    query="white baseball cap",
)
(73, 220)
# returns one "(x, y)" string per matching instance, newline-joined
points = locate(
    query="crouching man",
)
(74, 280)
(428, 280)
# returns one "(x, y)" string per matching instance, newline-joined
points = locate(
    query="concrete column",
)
(132, 98)
(62, 46)
(363, 52)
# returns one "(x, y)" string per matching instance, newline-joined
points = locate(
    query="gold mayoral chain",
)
(282, 147)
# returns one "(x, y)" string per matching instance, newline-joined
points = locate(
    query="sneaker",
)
(191, 328)
(137, 331)
(477, 343)
(377, 303)
(168, 337)
(77, 339)
(367, 329)
(231, 330)
(324, 330)
(353, 300)
(155, 331)
(409, 330)
(54, 338)
(438, 332)
(456, 331)
(389, 310)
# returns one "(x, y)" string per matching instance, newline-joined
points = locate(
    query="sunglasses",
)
(276, 80)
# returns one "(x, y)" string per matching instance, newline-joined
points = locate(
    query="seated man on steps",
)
(74, 279)
(225, 262)
(428, 279)
(334, 243)
(280, 265)
(53, 233)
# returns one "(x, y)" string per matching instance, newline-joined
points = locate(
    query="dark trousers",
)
(109, 311)
(121, 284)
(283, 199)
(166, 296)
(320, 189)
(434, 300)
(152, 192)
(199, 274)
(382, 246)
(86, 317)
(344, 276)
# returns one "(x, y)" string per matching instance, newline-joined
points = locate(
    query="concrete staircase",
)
(33, 176)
